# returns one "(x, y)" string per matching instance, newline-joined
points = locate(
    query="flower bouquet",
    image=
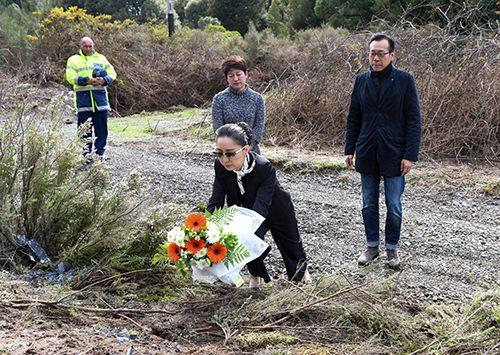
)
(214, 245)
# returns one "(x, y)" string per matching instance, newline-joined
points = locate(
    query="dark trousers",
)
(99, 124)
(286, 236)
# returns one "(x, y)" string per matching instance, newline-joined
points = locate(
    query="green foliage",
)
(237, 255)
(221, 216)
(16, 20)
(205, 21)
(237, 14)
(324, 9)
(389, 10)
(358, 13)
(236, 251)
(194, 11)
(351, 15)
(465, 16)
(301, 14)
(28, 5)
(161, 256)
(253, 40)
(45, 196)
(250, 341)
(14, 24)
(179, 7)
(276, 17)
(137, 10)
(146, 235)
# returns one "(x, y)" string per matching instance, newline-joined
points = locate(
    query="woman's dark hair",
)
(240, 132)
(380, 37)
(234, 62)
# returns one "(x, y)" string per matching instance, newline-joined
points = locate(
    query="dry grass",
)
(456, 77)
(337, 314)
(351, 314)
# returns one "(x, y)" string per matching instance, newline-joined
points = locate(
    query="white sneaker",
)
(254, 282)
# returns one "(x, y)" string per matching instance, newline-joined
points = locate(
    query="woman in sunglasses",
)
(246, 179)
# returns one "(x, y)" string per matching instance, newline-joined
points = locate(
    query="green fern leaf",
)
(236, 256)
(222, 216)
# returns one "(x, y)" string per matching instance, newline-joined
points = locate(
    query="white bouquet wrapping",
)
(243, 224)
(214, 246)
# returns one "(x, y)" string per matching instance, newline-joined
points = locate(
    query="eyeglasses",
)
(218, 154)
(379, 54)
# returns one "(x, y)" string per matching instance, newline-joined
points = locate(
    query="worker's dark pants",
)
(99, 124)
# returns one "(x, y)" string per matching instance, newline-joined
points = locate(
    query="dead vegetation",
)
(455, 73)
(307, 80)
(338, 313)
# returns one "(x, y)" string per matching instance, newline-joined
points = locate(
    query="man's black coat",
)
(383, 126)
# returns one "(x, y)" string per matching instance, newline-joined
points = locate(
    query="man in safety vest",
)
(90, 72)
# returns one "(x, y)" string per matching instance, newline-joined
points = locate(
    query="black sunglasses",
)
(218, 154)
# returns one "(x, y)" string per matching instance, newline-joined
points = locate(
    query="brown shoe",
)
(370, 254)
(393, 259)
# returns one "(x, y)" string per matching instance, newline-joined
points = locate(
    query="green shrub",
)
(203, 22)
(148, 233)
(194, 11)
(14, 24)
(44, 193)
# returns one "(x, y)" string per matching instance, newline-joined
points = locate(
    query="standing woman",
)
(238, 102)
(246, 179)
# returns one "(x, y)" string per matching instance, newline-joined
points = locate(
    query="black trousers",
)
(283, 228)
(99, 126)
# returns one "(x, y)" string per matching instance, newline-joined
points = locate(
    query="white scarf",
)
(244, 171)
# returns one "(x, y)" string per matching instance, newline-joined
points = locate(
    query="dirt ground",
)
(450, 239)
(450, 242)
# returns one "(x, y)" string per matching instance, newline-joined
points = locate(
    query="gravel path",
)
(450, 243)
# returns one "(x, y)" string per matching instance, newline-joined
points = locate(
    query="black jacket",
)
(383, 127)
(263, 192)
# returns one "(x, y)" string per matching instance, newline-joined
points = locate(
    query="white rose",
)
(213, 233)
(176, 235)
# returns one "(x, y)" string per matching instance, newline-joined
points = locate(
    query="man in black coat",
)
(382, 140)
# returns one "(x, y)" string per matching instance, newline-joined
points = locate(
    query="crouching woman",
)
(246, 179)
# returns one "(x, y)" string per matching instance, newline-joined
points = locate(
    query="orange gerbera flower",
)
(174, 251)
(217, 252)
(195, 222)
(195, 245)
